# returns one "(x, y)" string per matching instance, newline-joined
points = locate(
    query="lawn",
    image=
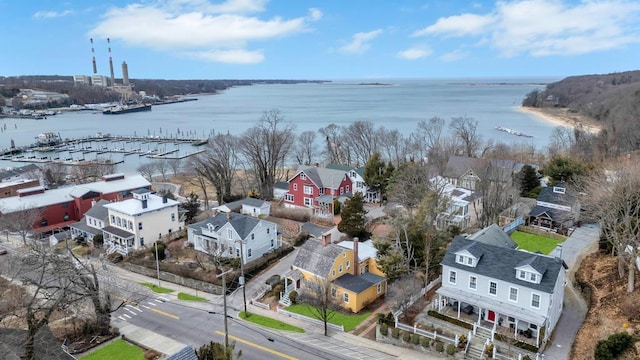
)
(269, 322)
(348, 321)
(533, 243)
(188, 297)
(157, 289)
(118, 349)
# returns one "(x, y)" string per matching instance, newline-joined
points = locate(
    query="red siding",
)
(296, 188)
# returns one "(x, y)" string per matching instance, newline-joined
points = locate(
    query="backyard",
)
(533, 242)
(118, 349)
(348, 321)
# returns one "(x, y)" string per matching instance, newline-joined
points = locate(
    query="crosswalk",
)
(130, 310)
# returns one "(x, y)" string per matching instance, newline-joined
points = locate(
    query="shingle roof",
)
(323, 177)
(554, 214)
(494, 235)
(315, 258)
(82, 226)
(242, 224)
(313, 229)
(186, 353)
(357, 284)
(551, 195)
(98, 211)
(118, 232)
(500, 263)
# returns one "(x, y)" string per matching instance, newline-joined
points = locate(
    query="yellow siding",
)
(358, 301)
(345, 257)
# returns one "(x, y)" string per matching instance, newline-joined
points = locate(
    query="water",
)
(399, 105)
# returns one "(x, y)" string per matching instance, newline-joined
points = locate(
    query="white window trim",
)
(379, 288)
(455, 277)
(308, 201)
(516, 289)
(308, 190)
(539, 300)
(475, 287)
(346, 297)
(493, 282)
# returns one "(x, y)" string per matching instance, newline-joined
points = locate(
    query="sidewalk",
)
(150, 340)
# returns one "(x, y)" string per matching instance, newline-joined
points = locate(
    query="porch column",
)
(459, 309)
(479, 315)
(439, 303)
(515, 331)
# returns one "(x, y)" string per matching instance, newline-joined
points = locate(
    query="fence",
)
(259, 294)
(260, 305)
(431, 335)
(513, 226)
(311, 320)
(176, 279)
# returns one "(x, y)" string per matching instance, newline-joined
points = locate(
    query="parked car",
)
(3, 251)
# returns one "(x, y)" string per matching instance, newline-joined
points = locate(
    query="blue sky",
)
(321, 39)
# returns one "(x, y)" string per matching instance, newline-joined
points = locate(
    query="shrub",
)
(293, 296)
(451, 349)
(526, 357)
(161, 248)
(489, 350)
(426, 342)
(273, 280)
(462, 340)
(439, 346)
(384, 329)
(454, 321)
(277, 290)
(395, 333)
(406, 336)
(615, 345)
(301, 238)
(415, 339)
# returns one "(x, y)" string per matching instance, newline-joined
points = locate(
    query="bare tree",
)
(174, 164)
(321, 296)
(334, 149)
(466, 129)
(91, 171)
(498, 188)
(403, 292)
(612, 197)
(218, 164)
(362, 138)
(266, 147)
(54, 175)
(409, 185)
(305, 149)
(198, 179)
(147, 170)
(162, 167)
(22, 221)
(429, 132)
(394, 145)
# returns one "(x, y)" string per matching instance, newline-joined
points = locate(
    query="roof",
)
(458, 166)
(346, 168)
(242, 224)
(366, 250)
(186, 353)
(118, 232)
(494, 235)
(47, 346)
(359, 283)
(281, 185)
(64, 194)
(313, 229)
(315, 258)
(554, 214)
(552, 195)
(253, 202)
(323, 177)
(134, 206)
(499, 263)
(98, 211)
(82, 226)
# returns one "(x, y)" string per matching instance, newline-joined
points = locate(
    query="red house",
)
(316, 188)
(64, 206)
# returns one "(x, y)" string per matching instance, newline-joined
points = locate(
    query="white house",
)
(138, 222)
(461, 207)
(232, 234)
(248, 206)
(92, 222)
(356, 175)
(502, 289)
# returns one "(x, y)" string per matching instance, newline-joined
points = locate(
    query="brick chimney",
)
(326, 239)
(356, 261)
(229, 216)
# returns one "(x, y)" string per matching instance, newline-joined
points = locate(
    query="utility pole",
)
(224, 305)
(242, 280)
(157, 263)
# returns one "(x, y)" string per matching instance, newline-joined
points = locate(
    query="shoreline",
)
(561, 117)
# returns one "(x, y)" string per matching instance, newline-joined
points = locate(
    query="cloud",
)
(546, 27)
(210, 32)
(415, 52)
(51, 14)
(360, 42)
(454, 55)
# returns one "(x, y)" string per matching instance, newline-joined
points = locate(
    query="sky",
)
(320, 39)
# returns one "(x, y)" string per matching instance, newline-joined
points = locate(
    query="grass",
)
(533, 243)
(157, 289)
(185, 296)
(119, 349)
(348, 321)
(269, 322)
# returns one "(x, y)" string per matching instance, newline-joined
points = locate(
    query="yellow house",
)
(351, 267)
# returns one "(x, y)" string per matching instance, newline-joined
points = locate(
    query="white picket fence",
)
(431, 335)
(308, 319)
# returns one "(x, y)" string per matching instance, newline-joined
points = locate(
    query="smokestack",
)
(326, 238)
(356, 260)
(113, 79)
(144, 203)
(125, 73)
(93, 54)
(164, 199)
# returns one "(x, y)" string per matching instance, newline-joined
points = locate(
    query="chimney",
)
(93, 203)
(144, 203)
(326, 239)
(356, 261)
(628, 159)
(229, 216)
(164, 199)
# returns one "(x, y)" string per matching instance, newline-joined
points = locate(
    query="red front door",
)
(491, 316)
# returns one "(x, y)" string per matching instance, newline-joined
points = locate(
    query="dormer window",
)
(465, 260)
(303, 176)
(523, 275)
(529, 275)
(559, 190)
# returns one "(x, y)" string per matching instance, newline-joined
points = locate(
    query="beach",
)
(562, 117)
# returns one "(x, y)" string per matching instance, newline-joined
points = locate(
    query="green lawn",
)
(156, 288)
(349, 321)
(533, 243)
(269, 322)
(188, 297)
(118, 349)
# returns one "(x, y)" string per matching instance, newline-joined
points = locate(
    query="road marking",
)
(246, 342)
(150, 303)
(146, 307)
(165, 314)
(134, 307)
(162, 299)
(130, 311)
(127, 316)
(121, 318)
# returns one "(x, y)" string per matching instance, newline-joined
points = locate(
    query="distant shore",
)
(562, 117)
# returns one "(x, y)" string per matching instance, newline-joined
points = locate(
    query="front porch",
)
(292, 282)
(118, 240)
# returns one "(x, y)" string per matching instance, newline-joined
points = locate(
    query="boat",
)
(125, 109)
(48, 139)
(512, 132)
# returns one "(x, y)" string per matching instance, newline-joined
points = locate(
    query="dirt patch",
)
(611, 308)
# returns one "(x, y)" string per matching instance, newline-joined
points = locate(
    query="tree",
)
(612, 198)
(192, 206)
(216, 351)
(564, 169)
(54, 175)
(162, 167)
(147, 170)
(22, 221)
(390, 258)
(362, 139)
(528, 180)
(466, 129)
(266, 147)
(374, 175)
(409, 184)
(197, 178)
(403, 292)
(394, 144)
(218, 164)
(497, 188)
(305, 147)
(175, 165)
(333, 138)
(321, 297)
(91, 171)
(353, 217)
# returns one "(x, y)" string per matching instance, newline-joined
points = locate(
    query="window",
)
(452, 276)
(288, 197)
(461, 259)
(308, 190)
(139, 226)
(341, 190)
(535, 301)
(130, 223)
(253, 236)
(230, 234)
(173, 217)
(333, 272)
(340, 269)
(268, 230)
(379, 288)
(347, 188)
(333, 292)
(141, 241)
(308, 201)
(271, 242)
(346, 297)
(118, 221)
(469, 261)
(513, 294)
(493, 288)
(303, 176)
(523, 275)
(348, 264)
(532, 277)
(473, 282)
(113, 219)
(295, 187)
(230, 250)
(238, 252)
(249, 252)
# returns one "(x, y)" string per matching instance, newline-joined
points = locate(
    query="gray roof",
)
(82, 226)
(282, 185)
(494, 235)
(253, 202)
(118, 232)
(186, 353)
(554, 214)
(98, 211)
(323, 177)
(359, 170)
(459, 165)
(315, 258)
(47, 346)
(313, 229)
(500, 263)
(358, 284)
(242, 224)
(547, 194)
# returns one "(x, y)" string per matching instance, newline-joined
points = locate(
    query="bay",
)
(392, 103)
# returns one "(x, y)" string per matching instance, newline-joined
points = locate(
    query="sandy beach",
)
(562, 117)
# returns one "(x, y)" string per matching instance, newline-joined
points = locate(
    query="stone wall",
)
(173, 278)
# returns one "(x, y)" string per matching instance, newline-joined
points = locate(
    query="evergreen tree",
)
(216, 351)
(564, 169)
(528, 180)
(192, 206)
(353, 217)
(374, 174)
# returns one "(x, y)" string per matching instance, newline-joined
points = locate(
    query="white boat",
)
(48, 138)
